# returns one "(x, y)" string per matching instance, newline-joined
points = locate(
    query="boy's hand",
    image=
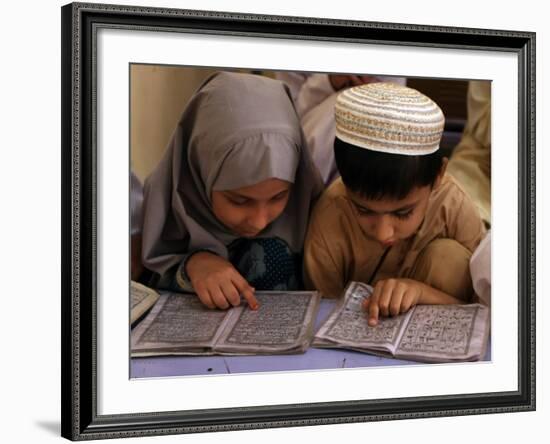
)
(217, 283)
(392, 297)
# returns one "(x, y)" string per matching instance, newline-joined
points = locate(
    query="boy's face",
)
(388, 221)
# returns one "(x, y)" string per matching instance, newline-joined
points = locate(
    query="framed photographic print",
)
(134, 82)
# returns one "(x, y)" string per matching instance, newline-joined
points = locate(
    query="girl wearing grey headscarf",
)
(238, 131)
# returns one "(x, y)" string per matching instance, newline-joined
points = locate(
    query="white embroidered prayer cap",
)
(390, 118)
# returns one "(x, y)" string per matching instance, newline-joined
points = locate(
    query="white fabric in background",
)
(480, 267)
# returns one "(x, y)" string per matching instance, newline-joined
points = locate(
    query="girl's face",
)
(388, 221)
(247, 211)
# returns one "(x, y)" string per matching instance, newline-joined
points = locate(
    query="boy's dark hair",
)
(376, 175)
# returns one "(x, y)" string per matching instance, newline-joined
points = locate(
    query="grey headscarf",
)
(237, 130)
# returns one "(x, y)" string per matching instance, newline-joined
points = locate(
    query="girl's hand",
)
(217, 282)
(392, 297)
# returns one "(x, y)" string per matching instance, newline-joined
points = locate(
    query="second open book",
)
(427, 333)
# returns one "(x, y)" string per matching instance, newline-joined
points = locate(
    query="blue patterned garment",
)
(267, 263)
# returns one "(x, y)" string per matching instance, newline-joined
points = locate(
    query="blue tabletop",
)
(312, 359)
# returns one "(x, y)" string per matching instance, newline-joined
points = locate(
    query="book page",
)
(445, 333)
(141, 299)
(347, 325)
(283, 323)
(178, 322)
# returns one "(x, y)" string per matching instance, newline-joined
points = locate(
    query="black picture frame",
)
(79, 211)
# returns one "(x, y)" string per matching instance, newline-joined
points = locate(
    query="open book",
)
(426, 333)
(142, 298)
(179, 324)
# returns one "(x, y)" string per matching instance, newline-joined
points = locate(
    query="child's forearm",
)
(433, 296)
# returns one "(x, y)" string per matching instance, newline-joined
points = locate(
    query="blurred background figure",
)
(314, 96)
(470, 161)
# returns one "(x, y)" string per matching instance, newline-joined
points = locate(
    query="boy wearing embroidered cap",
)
(395, 219)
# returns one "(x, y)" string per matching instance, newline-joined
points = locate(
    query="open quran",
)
(179, 324)
(142, 298)
(426, 333)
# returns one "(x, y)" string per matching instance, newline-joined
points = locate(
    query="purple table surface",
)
(312, 359)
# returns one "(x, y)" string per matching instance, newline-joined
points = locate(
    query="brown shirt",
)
(337, 250)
